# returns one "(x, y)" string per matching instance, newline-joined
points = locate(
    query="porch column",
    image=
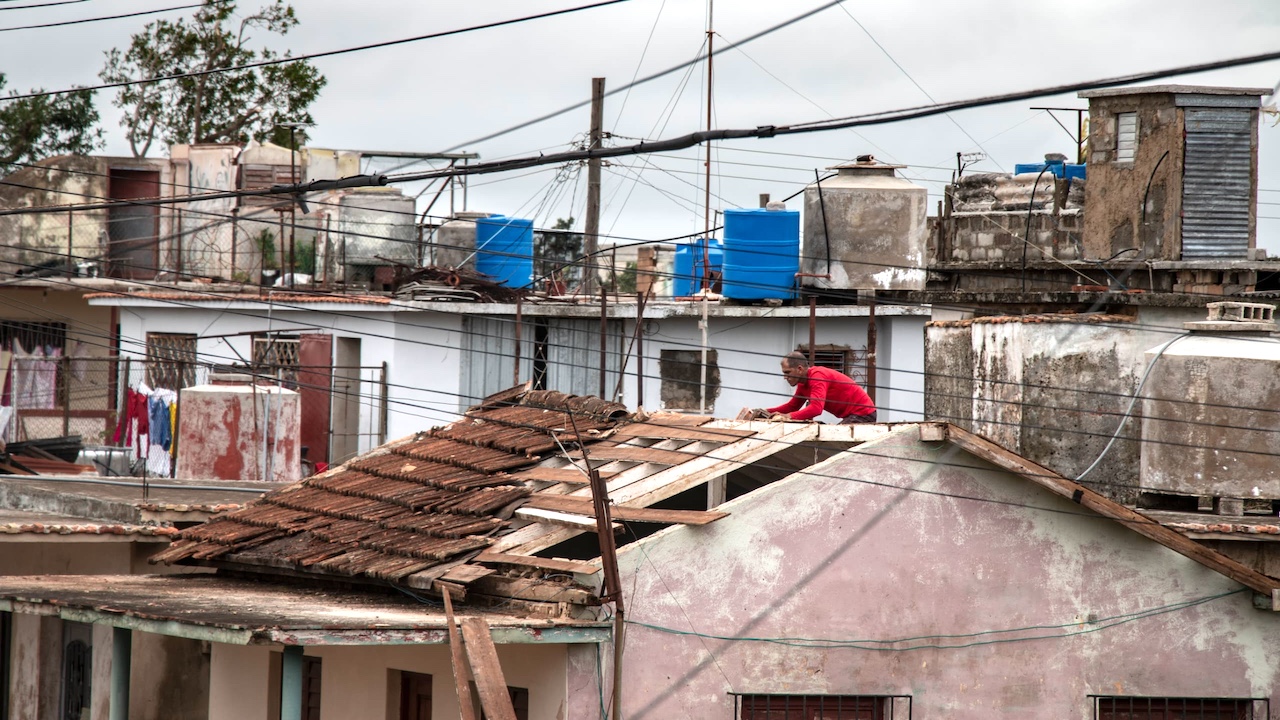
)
(291, 683)
(121, 659)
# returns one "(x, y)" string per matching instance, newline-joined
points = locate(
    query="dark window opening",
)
(77, 671)
(823, 707)
(415, 696)
(681, 372)
(540, 338)
(519, 702)
(171, 360)
(840, 358)
(1110, 707)
(311, 687)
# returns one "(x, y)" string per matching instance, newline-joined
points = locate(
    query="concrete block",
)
(986, 239)
(960, 254)
(995, 254)
(977, 254)
(1229, 506)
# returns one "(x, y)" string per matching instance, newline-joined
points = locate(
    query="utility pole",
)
(591, 235)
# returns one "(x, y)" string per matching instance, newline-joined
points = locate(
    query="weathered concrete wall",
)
(35, 657)
(1116, 190)
(872, 225)
(27, 241)
(823, 556)
(1210, 416)
(239, 432)
(206, 229)
(1053, 388)
(997, 236)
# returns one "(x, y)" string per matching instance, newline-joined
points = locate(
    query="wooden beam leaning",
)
(459, 662)
(487, 671)
(1106, 507)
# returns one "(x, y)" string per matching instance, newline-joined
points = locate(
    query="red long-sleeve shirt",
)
(826, 389)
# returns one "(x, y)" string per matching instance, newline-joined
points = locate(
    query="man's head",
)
(795, 367)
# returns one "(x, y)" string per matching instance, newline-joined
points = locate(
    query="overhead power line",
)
(312, 56)
(95, 19)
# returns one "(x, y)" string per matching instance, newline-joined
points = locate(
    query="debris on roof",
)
(442, 283)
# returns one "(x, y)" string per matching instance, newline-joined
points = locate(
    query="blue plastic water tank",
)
(1058, 169)
(689, 265)
(761, 254)
(1074, 171)
(504, 250)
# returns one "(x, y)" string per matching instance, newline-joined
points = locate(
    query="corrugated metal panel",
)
(573, 355)
(488, 357)
(1216, 195)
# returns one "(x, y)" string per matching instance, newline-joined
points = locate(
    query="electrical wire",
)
(90, 20)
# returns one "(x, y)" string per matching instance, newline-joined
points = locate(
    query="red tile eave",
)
(271, 297)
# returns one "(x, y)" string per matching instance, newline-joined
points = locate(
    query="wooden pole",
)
(591, 229)
(465, 704)
(813, 326)
(604, 339)
(515, 374)
(871, 349)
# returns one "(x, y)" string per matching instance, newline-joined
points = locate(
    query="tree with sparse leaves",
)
(210, 104)
(34, 128)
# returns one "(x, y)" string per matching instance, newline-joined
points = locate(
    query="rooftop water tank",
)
(455, 241)
(865, 228)
(236, 429)
(761, 253)
(690, 265)
(504, 250)
(1210, 424)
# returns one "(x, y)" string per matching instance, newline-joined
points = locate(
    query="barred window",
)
(823, 707)
(1112, 707)
(840, 358)
(171, 360)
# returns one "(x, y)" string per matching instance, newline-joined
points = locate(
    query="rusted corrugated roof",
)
(407, 507)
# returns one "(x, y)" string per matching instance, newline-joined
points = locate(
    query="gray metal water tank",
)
(455, 241)
(1211, 425)
(871, 226)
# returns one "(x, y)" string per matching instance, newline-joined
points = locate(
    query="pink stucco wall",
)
(822, 555)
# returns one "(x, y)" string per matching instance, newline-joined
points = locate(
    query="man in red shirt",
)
(818, 389)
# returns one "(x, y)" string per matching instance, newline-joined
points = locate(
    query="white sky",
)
(434, 94)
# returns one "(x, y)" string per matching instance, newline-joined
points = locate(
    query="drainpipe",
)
(291, 683)
(121, 656)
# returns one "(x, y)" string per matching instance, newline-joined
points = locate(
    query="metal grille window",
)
(1114, 707)
(1126, 136)
(840, 358)
(822, 707)
(277, 356)
(171, 360)
(77, 673)
(311, 672)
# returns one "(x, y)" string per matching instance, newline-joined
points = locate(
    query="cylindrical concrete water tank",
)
(866, 228)
(232, 429)
(455, 241)
(690, 265)
(761, 254)
(504, 250)
(1210, 425)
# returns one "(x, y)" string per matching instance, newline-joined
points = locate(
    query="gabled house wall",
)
(1037, 601)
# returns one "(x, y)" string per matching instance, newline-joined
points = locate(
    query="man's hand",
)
(779, 417)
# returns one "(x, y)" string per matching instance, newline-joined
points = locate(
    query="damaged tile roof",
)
(407, 512)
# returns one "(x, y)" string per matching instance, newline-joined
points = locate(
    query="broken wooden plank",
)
(487, 671)
(553, 564)
(585, 506)
(459, 663)
(533, 589)
(629, 453)
(1141, 524)
(556, 517)
(465, 574)
(640, 487)
(556, 475)
(670, 432)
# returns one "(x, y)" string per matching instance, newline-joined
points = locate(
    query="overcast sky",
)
(435, 94)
